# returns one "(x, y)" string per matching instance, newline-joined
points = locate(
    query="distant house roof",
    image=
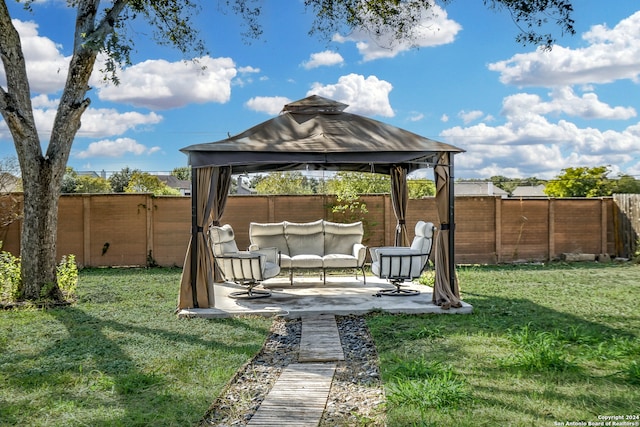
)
(529, 191)
(91, 174)
(180, 184)
(481, 188)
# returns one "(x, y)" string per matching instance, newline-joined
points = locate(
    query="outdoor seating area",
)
(319, 245)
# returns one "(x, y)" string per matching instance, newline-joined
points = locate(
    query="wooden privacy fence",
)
(139, 229)
(627, 223)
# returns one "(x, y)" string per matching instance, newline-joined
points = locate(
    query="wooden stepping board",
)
(320, 340)
(298, 398)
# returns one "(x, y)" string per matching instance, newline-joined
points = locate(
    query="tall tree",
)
(580, 181)
(120, 180)
(108, 28)
(183, 173)
(626, 184)
(283, 183)
(143, 182)
(355, 183)
(92, 184)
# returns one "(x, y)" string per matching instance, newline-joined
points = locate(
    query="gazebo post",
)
(194, 236)
(452, 226)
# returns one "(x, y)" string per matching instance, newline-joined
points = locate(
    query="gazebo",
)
(315, 133)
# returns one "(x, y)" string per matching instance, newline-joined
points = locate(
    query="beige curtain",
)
(399, 200)
(446, 292)
(212, 187)
(221, 181)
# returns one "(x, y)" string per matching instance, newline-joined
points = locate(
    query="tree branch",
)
(15, 103)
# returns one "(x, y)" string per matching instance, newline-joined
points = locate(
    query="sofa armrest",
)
(398, 262)
(375, 251)
(360, 253)
(398, 251)
(271, 254)
(393, 250)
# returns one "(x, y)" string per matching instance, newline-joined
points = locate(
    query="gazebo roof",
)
(316, 133)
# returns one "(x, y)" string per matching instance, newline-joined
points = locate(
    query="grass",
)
(119, 356)
(546, 345)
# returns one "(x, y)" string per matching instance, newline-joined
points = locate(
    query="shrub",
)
(10, 277)
(67, 274)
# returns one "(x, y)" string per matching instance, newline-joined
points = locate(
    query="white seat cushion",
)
(339, 261)
(306, 261)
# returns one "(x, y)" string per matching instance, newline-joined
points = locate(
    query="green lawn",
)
(119, 357)
(546, 345)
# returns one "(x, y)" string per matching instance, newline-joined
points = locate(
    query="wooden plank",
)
(320, 340)
(298, 397)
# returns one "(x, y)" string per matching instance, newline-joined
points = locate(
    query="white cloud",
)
(115, 148)
(326, 58)
(444, 118)
(565, 101)
(267, 104)
(536, 145)
(159, 84)
(103, 122)
(416, 116)
(612, 54)
(368, 96)
(248, 70)
(46, 65)
(96, 122)
(433, 29)
(470, 116)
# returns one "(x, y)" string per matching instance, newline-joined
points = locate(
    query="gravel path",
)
(356, 393)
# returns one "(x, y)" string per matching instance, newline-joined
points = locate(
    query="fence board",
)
(627, 221)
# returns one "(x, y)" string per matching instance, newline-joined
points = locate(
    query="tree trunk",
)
(38, 237)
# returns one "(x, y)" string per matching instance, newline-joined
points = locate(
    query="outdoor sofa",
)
(312, 245)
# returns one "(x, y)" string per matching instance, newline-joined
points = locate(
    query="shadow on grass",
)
(90, 369)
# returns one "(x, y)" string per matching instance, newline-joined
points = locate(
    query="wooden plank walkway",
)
(320, 340)
(298, 398)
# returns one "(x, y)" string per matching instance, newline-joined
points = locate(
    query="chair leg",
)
(398, 291)
(364, 275)
(251, 292)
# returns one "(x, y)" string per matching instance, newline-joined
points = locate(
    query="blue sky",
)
(518, 111)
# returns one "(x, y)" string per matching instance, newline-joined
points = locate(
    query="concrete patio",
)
(341, 295)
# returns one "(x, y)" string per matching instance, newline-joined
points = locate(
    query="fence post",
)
(552, 229)
(272, 208)
(498, 228)
(150, 253)
(603, 226)
(86, 230)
